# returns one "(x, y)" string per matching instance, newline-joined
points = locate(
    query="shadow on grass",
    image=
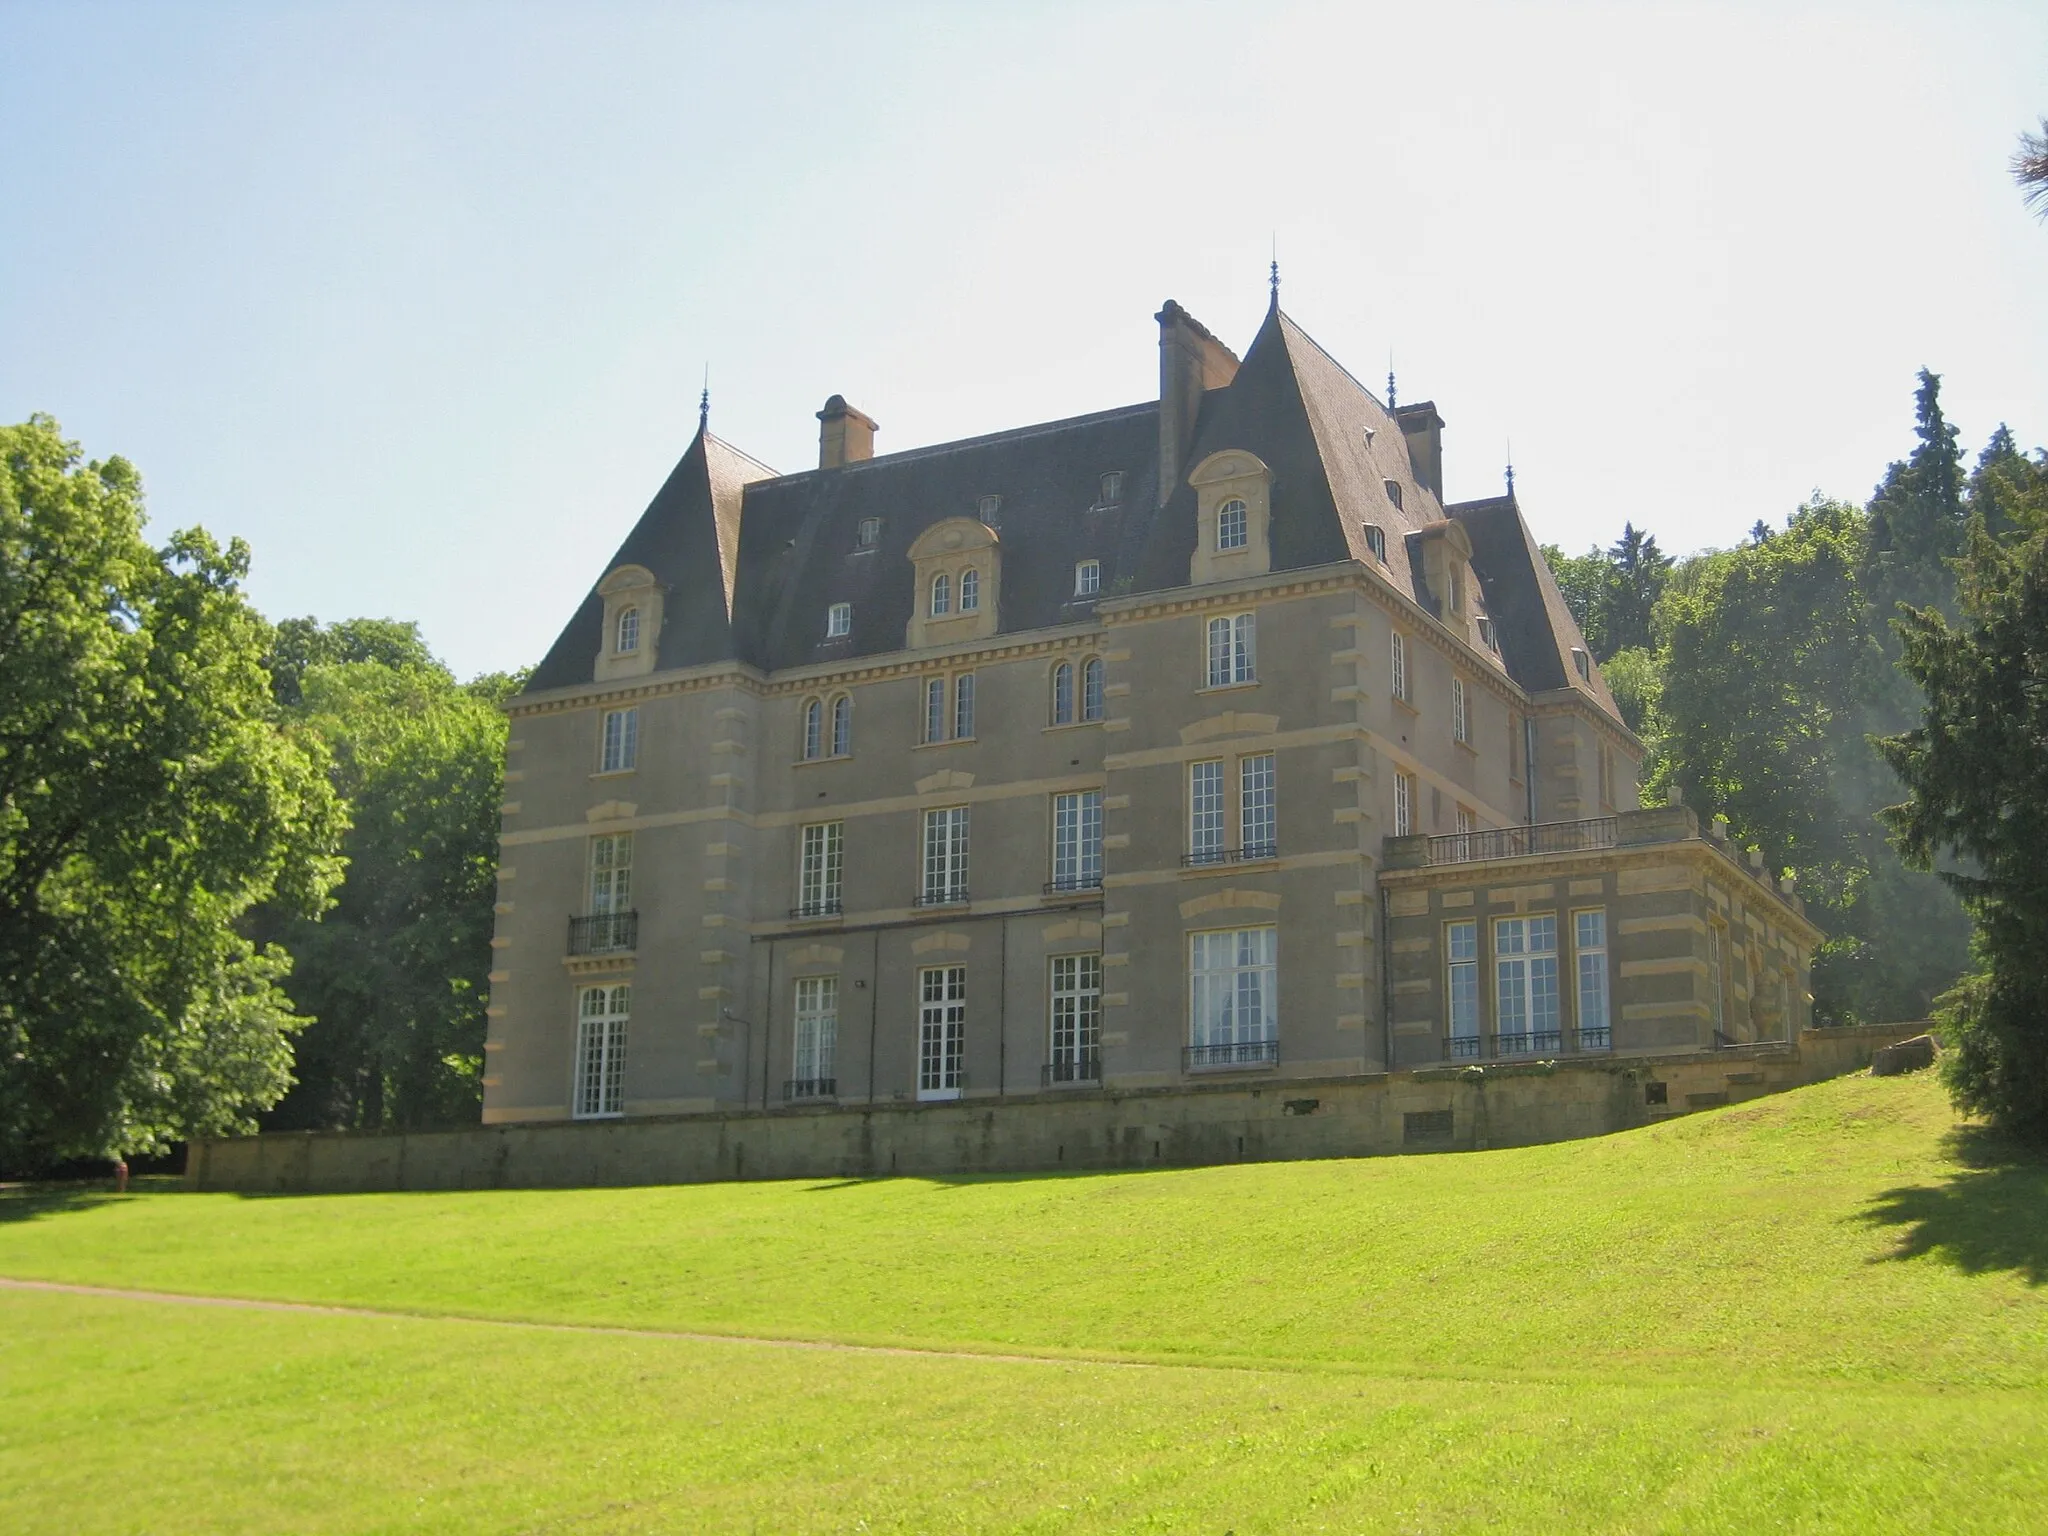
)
(34, 1202)
(1992, 1216)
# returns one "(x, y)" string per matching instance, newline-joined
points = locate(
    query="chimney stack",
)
(845, 435)
(1191, 361)
(1424, 430)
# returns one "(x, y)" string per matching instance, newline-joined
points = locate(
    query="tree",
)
(150, 796)
(1976, 773)
(2030, 168)
(1584, 580)
(395, 974)
(1637, 683)
(1918, 519)
(1639, 571)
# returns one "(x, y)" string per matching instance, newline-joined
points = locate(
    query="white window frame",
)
(1111, 492)
(944, 856)
(1404, 804)
(1376, 541)
(814, 730)
(602, 1015)
(611, 873)
(1233, 987)
(1233, 525)
(838, 621)
(1461, 718)
(626, 633)
(815, 1048)
(869, 534)
(942, 595)
(1087, 578)
(1461, 986)
(1205, 811)
(1397, 653)
(934, 710)
(619, 741)
(1091, 688)
(1717, 977)
(1258, 823)
(941, 1031)
(1075, 988)
(963, 706)
(1526, 1015)
(970, 590)
(1077, 840)
(1063, 693)
(842, 725)
(821, 867)
(1591, 1003)
(1232, 641)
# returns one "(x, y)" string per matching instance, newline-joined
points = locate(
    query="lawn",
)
(1826, 1310)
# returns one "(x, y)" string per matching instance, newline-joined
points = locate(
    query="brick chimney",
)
(1191, 361)
(845, 435)
(1424, 430)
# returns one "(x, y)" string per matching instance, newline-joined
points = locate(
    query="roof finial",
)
(704, 403)
(1391, 397)
(1273, 274)
(1511, 469)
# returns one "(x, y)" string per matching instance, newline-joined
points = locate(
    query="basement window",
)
(1656, 1093)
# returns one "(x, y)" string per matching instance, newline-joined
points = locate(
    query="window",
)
(1525, 983)
(1376, 541)
(1461, 721)
(628, 640)
(1077, 841)
(814, 729)
(1717, 1006)
(942, 594)
(611, 874)
(1076, 1019)
(814, 1066)
(1607, 777)
(842, 725)
(870, 532)
(1231, 994)
(990, 507)
(1467, 824)
(838, 620)
(823, 859)
(935, 709)
(1091, 688)
(941, 1031)
(1205, 812)
(1461, 959)
(1063, 694)
(970, 590)
(1232, 651)
(1393, 490)
(1087, 578)
(1404, 804)
(963, 706)
(1487, 637)
(1232, 528)
(621, 740)
(1112, 488)
(1582, 664)
(1255, 806)
(601, 1051)
(945, 856)
(1398, 651)
(1589, 947)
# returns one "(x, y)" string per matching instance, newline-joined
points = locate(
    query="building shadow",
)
(1991, 1216)
(34, 1203)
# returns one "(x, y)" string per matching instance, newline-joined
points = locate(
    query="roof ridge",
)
(1011, 434)
(734, 448)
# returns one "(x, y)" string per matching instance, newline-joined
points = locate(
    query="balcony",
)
(604, 933)
(812, 911)
(800, 1090)
(1529, 1042)
(1249, 853)
(1075, 1069)
(1521, 842)
(1075, 885)
(942, 896)
(1239, 1055)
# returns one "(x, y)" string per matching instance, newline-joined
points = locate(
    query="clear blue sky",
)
(417, 299)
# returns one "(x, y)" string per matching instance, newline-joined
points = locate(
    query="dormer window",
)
(1582, 664)
(942, 595)
(838, 621)
(870, 532)
(1087, 578)
(970, 590)
(1376, 541)
(990, 506)
(1232, 525)
(1487, 636)
(1112, 489)
(1393, 488)
(628, 639)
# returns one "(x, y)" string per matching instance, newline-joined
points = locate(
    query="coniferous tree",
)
(1639, 571)
(1918, 520)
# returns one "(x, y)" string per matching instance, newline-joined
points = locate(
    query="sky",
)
(418, 300)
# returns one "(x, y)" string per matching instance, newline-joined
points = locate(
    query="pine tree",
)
(1917, 515)
(1640, 572)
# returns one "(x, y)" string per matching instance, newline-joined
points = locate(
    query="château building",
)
(1198, 739)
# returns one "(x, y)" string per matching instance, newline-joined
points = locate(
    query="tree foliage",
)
(150, 796)
(1612, 593)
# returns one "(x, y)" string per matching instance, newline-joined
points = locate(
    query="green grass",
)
(1822, 1311)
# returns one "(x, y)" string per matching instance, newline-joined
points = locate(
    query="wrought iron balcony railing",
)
(1245, 855)
(1068, 885)
(1528, 1042)
(942, 896)
(796, 1090)
(1520, 842)
(1076, 1067)
(1238, 1053)
(604, 933)
(815, 909)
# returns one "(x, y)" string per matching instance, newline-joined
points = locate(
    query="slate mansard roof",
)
(752, 560)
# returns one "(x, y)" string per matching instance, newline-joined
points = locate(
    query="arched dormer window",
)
(631, 628)
(970, 590)
(842, 726)
(627, 632)
(814, 730)
(1376, 541)
(1063, 694)
(1233, 517)
(1091, 688)
(958, 583)
(942, 595)
(1232, 525)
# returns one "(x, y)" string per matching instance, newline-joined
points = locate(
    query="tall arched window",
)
(628, 631)
(970, 590)
(842, 726)
(942, 594)
(814, 729)
(1063, 694)
(1091, 689)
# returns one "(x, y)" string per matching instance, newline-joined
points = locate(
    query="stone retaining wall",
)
(1429, 1109)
